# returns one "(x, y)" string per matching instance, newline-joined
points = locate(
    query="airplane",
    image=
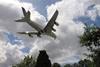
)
(47, 30)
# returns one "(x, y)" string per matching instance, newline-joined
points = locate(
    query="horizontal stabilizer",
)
(20, 20)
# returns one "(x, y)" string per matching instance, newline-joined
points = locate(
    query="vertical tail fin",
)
(26, 16)
(24, 11)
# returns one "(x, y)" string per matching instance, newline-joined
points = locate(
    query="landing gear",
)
(39, 33)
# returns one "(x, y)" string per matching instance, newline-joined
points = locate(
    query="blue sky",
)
(12, 39)
(87, 19)
(41, 5)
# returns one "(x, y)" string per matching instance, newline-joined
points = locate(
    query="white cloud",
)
(9, 54)
(67, 43)
(65, 48)
(10, 10)
(96, 1)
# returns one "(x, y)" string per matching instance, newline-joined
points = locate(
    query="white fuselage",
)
(35, 25)
(39, 28)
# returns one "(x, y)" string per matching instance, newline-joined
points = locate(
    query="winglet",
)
(57, 11)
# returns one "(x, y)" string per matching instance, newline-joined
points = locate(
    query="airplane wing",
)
(28, 33)
(49, 27)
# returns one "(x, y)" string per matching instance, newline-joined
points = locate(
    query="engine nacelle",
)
(39, 33)
(56, 23)
(30, 35)
(53, 29)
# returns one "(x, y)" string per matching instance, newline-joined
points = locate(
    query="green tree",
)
(75, 65)
(67, 65)
(43, 59)
(81, 63)
(86, 63)
(56, 65)
(91, 40)
(26, 62)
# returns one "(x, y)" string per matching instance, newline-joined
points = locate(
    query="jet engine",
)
(30, 35)
(56, 23)
(53, 29)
